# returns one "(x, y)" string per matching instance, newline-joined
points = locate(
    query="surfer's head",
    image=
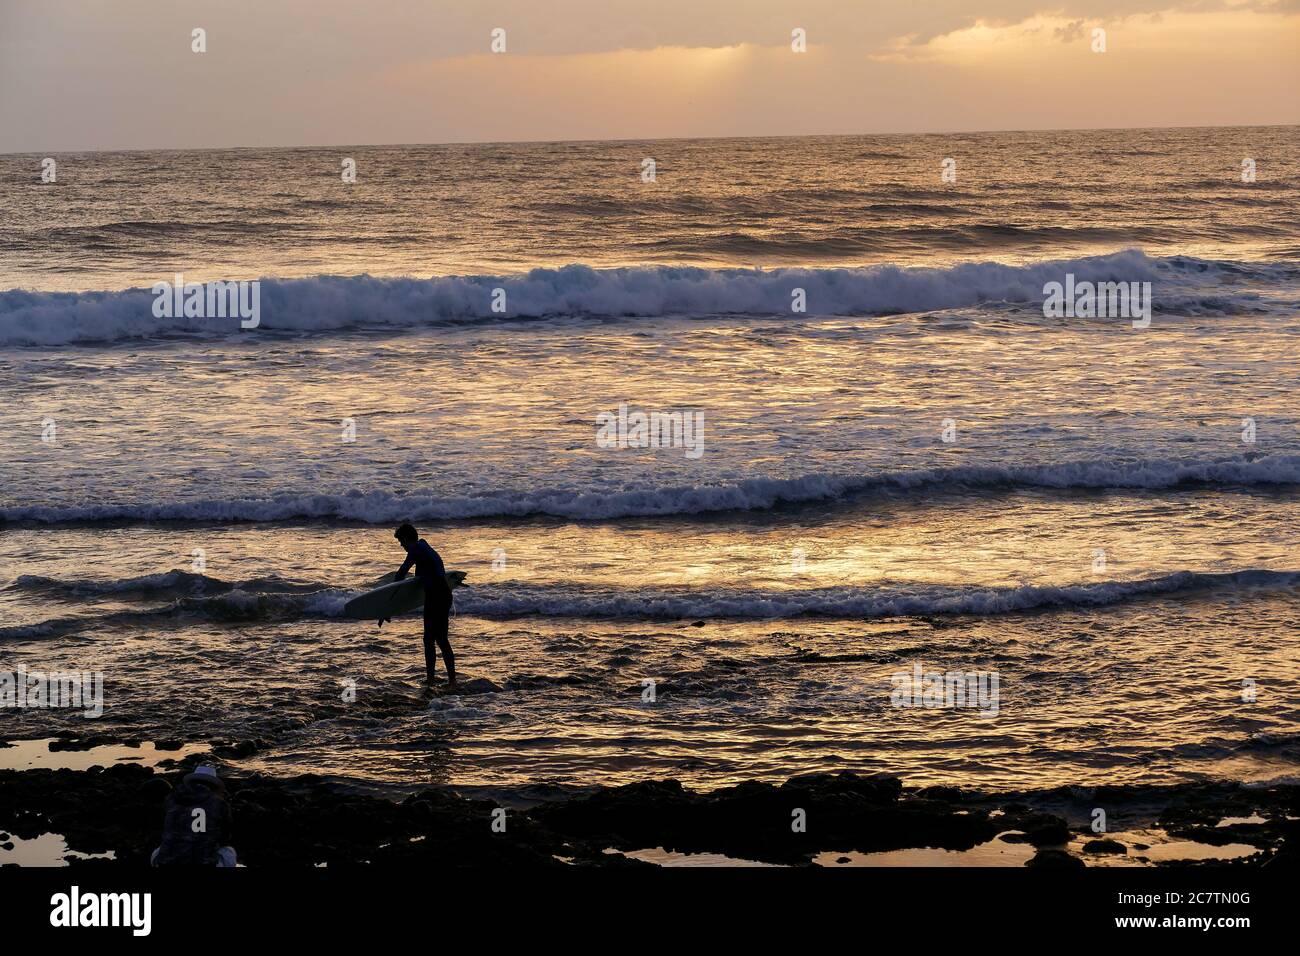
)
(407, 535)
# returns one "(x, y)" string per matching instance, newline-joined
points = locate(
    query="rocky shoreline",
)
(311, 821)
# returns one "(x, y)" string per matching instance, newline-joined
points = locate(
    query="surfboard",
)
(394, 598)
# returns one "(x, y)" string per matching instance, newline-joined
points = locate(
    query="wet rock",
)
(74, 744)
(1287, 855)
(155, 788)
(878, 788)
(1283, 859)
(951, 794)
(305, 820)
(789, 823)
(476, 685)
(1105, 846)
(1037, 829)
(128, 771)
(1054, 859)
(245, 748)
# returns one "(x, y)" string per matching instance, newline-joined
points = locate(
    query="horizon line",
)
(656, 139)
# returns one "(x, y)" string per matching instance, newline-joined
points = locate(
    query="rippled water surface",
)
(920, 469)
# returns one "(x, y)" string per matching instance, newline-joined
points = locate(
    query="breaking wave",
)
(242, 602)
(335, 303)
(753, 494)
(848, 602)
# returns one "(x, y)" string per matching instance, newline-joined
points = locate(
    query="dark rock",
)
(67, 744)
(1055, 860)
(877, 788)
(306, 820)
(1038, 829)
(475, 685)
(128, 771)
(754, 820)
(950, 794)
(1105, 846)
(245, 748)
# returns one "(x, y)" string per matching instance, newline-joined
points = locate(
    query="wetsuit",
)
(437, 604)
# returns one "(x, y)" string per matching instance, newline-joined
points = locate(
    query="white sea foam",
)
(327, 303)
(848, 602)
(243, 602)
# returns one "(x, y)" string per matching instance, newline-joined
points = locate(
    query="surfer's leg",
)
(430, 636)
(444, 644)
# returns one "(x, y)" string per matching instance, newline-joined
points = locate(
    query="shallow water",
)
(1145, 688)
(993, 853)
(921, 469)
(48, 849)
(36, 754)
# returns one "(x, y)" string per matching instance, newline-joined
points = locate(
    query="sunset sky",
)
(80, 74)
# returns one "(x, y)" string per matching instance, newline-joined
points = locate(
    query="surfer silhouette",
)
(437, 598)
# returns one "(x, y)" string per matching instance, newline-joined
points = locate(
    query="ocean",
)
(876, 454)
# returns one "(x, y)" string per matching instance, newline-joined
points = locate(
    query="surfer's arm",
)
(406, 566)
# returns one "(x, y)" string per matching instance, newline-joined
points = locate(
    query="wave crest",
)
(851, 601)
(331, 303)
(243, 602)
(753, 494)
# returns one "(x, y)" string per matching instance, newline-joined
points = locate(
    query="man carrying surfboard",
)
(437, 597)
